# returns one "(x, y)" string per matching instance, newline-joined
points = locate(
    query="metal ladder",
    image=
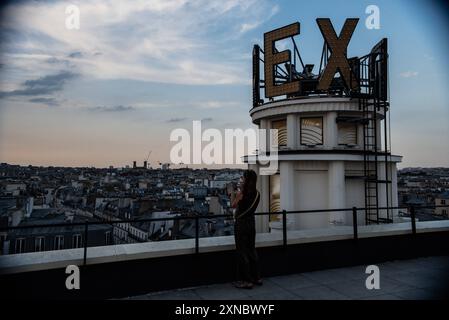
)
(370, 159)
(371, 105)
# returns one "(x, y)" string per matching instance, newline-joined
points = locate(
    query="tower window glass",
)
(312, 131)
(281, 126)
(275, 196)
(347, 134)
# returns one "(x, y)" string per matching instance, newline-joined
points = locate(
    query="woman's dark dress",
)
(245, 238)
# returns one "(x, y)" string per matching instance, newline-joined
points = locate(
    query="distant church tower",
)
(333, 132)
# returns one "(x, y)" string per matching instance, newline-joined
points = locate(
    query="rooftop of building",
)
(444, 195)
(42, 221)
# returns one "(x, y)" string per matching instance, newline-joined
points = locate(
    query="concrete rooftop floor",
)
(417, 279)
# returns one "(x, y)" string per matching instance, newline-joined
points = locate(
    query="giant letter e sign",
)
(273, 58)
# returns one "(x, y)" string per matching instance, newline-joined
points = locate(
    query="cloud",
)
(217, 104)
(41, 86)
(248, 26)
(409, 74)
(54, 60)
(51, 102)
(174, 120)
(76, 54)
(175, 47)
(210, 104)
(118, 108)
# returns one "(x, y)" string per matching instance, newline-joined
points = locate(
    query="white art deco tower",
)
(333, 131)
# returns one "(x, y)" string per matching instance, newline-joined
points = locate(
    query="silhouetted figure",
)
(246, 201)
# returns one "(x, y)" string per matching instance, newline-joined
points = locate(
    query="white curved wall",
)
(313, 181)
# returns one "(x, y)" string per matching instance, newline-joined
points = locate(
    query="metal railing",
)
(284, 213)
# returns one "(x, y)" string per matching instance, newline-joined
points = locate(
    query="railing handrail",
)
(196, 217)
(193, 217)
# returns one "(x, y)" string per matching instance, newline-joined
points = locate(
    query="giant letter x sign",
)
(338, 60)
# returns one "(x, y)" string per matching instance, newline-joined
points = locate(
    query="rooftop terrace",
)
(290, 259)
(416, 279)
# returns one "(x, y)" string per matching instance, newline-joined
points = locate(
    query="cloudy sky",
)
(111, 91)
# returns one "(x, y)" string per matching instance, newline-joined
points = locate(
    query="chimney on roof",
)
(29, 206)
(145, 164)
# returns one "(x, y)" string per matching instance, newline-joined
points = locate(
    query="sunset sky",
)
(111, 91)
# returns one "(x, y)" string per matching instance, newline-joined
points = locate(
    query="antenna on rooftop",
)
(145, 161)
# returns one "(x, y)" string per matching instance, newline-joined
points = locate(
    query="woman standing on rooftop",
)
(246, 201)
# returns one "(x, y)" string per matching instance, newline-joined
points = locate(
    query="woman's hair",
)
(249, 184)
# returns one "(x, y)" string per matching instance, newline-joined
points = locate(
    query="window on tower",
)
(312, 131)
(275, 197)
(347, 134)
(281, 137)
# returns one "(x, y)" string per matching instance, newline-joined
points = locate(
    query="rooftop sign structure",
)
(337, 74)
(283, 75)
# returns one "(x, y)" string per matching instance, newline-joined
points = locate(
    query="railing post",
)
(355, 223)
(86, 232)
(284, 228)
(413, 218)
(197, 235)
